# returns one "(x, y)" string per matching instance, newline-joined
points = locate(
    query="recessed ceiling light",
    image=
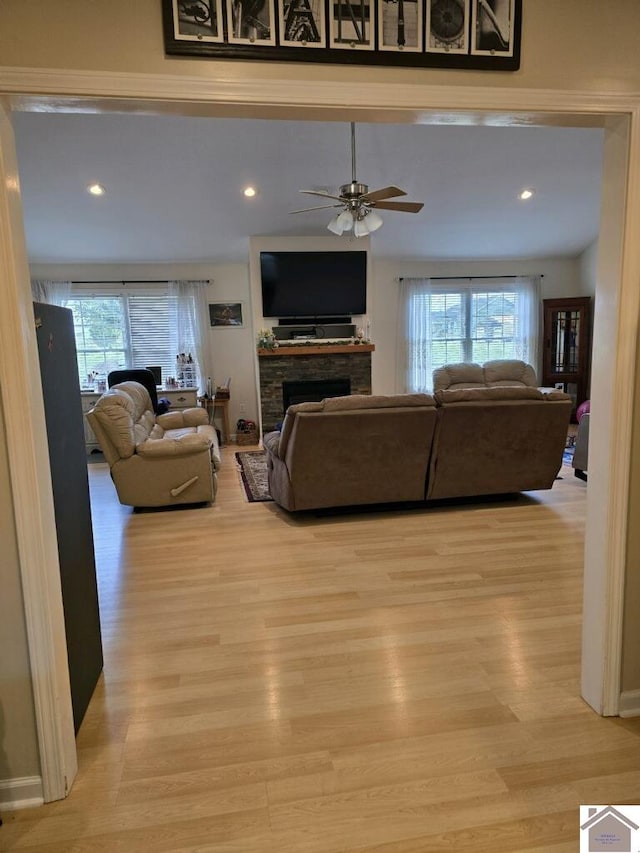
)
(96, 189)
(526, 194)
(250, 192)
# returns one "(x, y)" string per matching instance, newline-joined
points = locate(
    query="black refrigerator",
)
(68, 462)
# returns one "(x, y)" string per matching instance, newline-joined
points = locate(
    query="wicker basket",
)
(250, 437)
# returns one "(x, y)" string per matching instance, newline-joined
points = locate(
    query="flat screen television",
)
(313, 284)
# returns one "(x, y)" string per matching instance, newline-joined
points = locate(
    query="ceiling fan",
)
(358, 205)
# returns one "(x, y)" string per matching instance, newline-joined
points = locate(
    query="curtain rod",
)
(464, 277)
(142, 281)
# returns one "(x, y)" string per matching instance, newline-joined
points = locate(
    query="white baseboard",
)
(22, 793)
(630, 703)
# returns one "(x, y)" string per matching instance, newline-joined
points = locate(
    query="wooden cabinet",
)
(89, 399)
(567, 346)
(180, 398)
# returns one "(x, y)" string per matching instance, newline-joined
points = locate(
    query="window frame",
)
(127, 293)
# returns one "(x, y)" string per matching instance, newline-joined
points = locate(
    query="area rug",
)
(567, 456)
(253, 472)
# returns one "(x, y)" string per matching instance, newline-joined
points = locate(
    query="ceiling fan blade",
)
(385, 192)
(320, 207)
(321, 194)
(404, 206)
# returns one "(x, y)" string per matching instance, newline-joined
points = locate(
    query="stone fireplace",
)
(291, 368)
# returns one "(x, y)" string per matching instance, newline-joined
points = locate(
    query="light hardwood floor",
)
(401, 682)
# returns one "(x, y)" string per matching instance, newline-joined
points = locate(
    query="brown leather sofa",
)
(155, 460)
(348, 451)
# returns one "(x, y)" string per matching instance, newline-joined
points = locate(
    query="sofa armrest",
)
(271, 443)
(163, 448)
(183, 418)
(580, 459)
(195, 417)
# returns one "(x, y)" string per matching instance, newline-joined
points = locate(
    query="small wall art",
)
(226, 315)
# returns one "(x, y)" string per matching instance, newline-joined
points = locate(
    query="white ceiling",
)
(174, 186)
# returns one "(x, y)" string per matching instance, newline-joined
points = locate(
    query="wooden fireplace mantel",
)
(318, 349)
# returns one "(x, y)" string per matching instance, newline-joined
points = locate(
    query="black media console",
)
(289, 328)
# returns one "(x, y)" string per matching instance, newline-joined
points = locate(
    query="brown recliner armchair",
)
(155, 460)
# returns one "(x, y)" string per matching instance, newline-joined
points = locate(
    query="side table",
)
(211, 404)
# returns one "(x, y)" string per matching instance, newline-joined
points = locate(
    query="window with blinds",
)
(470, 325)
(119, 330)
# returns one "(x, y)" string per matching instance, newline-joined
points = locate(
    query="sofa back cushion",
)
(501, 371)
(487, 395)
(125, 417)
(350, 403)
(358, 450)
(497, 440)
(114, 413)
(462, 375)
(509, 371)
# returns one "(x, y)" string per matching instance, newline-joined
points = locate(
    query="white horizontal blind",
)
(151, 321)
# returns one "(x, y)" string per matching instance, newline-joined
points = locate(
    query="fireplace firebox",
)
(313, 390)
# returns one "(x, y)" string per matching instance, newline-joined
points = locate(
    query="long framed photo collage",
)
(473, 34)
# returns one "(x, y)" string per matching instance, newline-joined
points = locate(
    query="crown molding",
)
(51, 89)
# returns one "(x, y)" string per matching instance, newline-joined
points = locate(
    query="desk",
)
(211, 405)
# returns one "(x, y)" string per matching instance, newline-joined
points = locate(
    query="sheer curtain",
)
(414, 370)
(53, 292)
(528, 321)
(419, 338)
(190, 325)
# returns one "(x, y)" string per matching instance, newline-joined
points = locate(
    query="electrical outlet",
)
(243, 408)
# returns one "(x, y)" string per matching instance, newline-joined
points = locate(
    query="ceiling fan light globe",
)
(374, 221)
(336, 226)
(345, 220)
(341, 222)
(360, 227)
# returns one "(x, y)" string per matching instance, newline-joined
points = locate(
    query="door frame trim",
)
(63, 91)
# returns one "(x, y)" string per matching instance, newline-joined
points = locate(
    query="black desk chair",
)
(141, 375)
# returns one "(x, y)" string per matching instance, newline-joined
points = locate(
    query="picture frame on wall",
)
(448, 26)
(301, 23)
(492, 27)
(198, 21)
(481, 35)
(226, 315)
(251, 22)
(400, 25)
(352, 24)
